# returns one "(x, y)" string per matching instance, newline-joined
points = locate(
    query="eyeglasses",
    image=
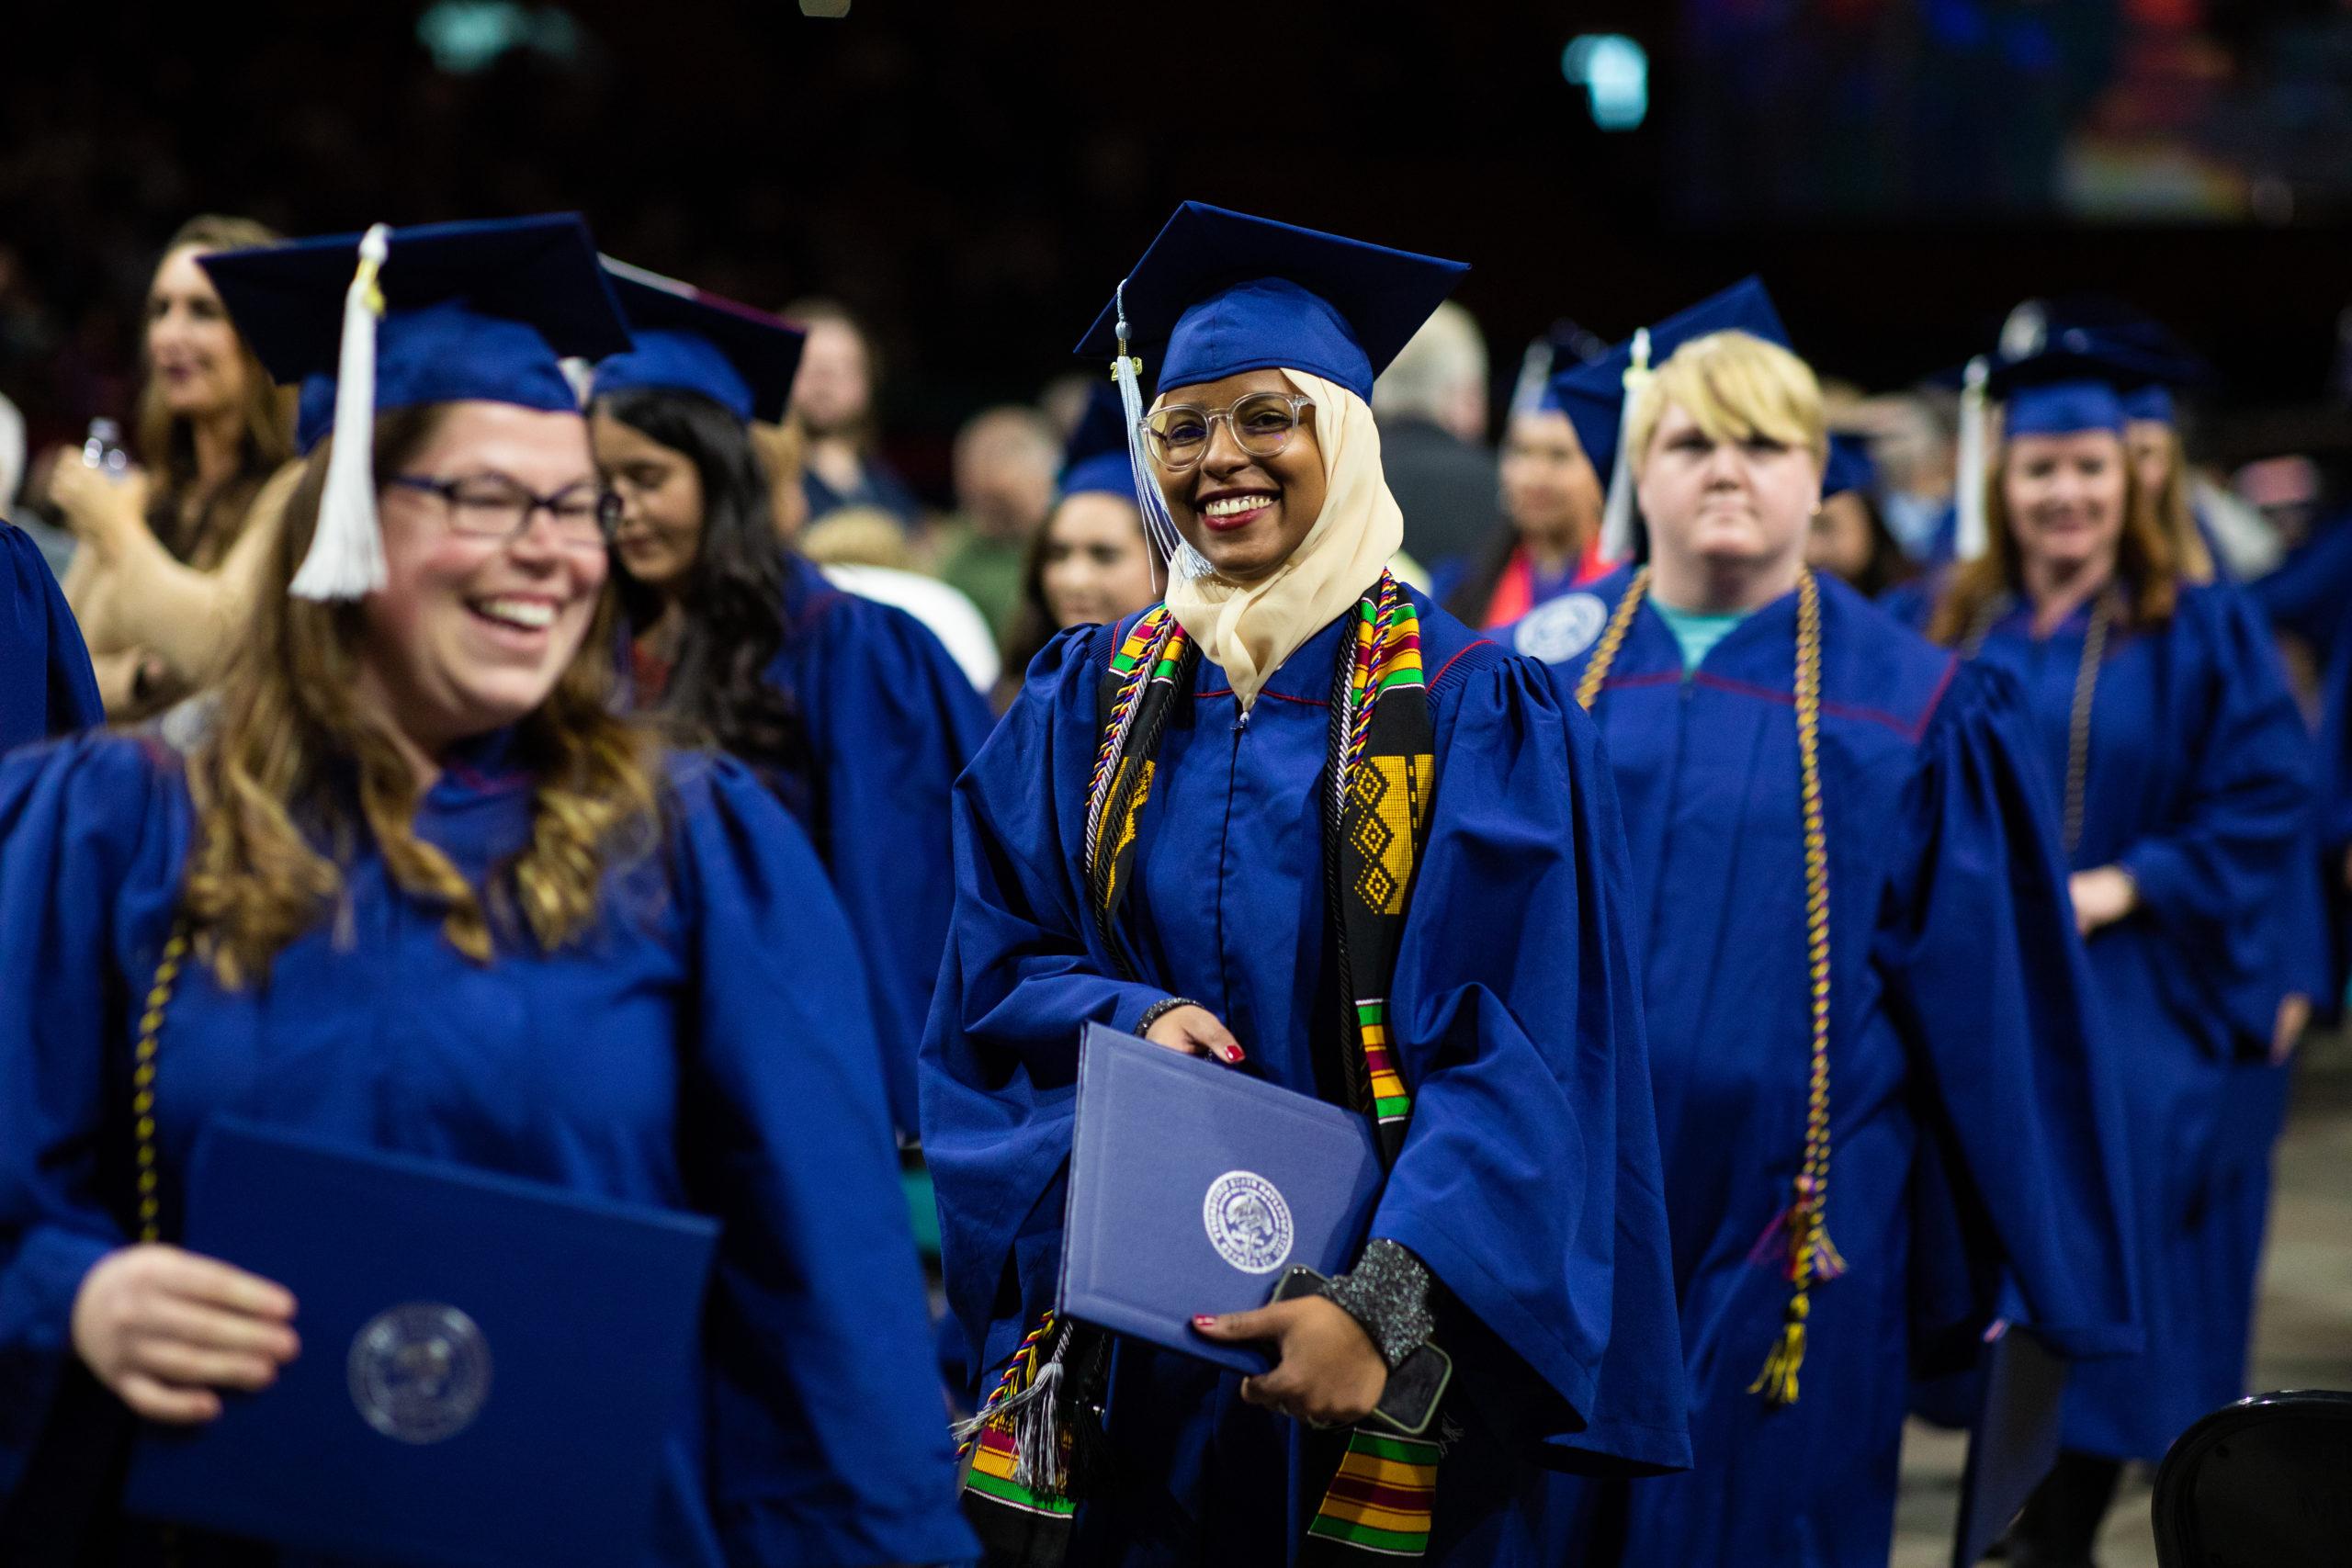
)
(491, 506)
(1261, 423)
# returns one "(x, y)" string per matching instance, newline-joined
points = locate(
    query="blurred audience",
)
(1914, 440)
(834, 403)
(865, 550)
(1550, 538)
(1431, 404)
(171, 549)
(1005, 460)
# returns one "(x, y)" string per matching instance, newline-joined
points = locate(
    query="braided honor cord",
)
(1812, 1259)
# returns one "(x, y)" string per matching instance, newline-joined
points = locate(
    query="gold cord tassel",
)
(1778, 1381)
(1812, 1259)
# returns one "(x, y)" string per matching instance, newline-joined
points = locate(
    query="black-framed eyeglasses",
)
(491, 506)
(1261, 423)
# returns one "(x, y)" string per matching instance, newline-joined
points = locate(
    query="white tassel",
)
(1617, 511)
(1968, 486)
(1172, 553)
(346, 555)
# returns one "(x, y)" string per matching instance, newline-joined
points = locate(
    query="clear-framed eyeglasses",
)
(491, 506)
(1261, 423)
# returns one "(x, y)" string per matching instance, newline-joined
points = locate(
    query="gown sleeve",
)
(78, 821)
(899, 722)
(1988, 984)
(1001, 1057)
(47, 687)
(2209, 876)
(1529, 1181)
(827, 1431)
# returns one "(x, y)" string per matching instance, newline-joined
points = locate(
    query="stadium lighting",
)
(1614, 72)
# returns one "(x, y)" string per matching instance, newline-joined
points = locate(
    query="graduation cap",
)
(1221, 292)
(1849, 467)
(404, 318)
(1225, 292)
(1594, 395)
(1096, 461)
(2059, 369)
(689, 341)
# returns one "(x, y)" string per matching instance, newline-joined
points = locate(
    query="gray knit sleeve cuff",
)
(1388, 1292)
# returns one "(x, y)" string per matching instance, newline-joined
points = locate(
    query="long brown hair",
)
(167, 442)
(294, 762)
(2178, 511)
(2146, 563)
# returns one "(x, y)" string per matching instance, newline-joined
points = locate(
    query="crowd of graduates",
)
(1793, 924)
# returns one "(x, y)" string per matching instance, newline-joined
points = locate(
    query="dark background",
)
(974, 177)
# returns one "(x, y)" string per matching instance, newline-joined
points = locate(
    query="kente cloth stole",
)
(1027, 1455)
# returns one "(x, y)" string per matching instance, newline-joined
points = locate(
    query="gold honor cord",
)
(2105, 610)
(1812, 1258)
(142, 1118)
(142, 1082)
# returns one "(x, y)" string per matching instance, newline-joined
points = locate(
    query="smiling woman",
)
(2174, 750)
(1300, 821)
(412, 882)
(850, 710)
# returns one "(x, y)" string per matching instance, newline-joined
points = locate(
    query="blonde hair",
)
(2178, 511)
(2145, 561)
(1735, 387)
(295, 763)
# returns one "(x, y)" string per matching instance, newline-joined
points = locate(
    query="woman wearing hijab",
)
(850, 710)
(1866, 1006)
(413, 885)
(1168, 833)
(2162, 719)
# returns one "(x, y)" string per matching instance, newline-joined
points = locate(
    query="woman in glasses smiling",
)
(1300, 822)
(412, 883)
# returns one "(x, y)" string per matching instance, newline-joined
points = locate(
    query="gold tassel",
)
(1778, 1381)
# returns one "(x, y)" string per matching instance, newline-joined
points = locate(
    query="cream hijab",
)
(1250, 628)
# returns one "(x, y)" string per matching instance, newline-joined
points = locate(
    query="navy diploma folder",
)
(2013, 1443)
(490, 1368)
(1194, 1187)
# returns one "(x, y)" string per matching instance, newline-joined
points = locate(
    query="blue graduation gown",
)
(1963, 1064)
(46, 686)
(1528, 1183)
(892, 720)
(705, 1047)
(2197, 786)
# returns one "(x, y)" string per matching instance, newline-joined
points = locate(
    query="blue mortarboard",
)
(1593, 394)
(2062, 408)
(2062, 368)
(2153, 402)
(404, 318)
(1849, 467)
(1096, 461)
(688, 341)
(1225, 292)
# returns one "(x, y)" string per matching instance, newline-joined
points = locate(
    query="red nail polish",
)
(1233, 1054)
(1203, 1320)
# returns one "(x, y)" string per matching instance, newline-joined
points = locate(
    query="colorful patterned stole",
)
(1027, 1455)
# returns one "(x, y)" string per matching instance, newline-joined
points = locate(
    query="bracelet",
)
(1388, 1292)
(1160, 1009)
